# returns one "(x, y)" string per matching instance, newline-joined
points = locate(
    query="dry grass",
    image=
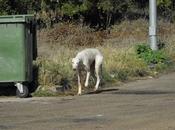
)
(129, 32)
(59, 45)
(119, 65)
(73, 35)
(166, 34)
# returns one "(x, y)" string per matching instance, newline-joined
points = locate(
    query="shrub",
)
(149, 56)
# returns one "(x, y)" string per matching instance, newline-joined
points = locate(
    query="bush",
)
(149, 56)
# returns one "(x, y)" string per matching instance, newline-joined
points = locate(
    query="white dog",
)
(87, 57)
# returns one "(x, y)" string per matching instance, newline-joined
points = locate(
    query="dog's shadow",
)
(103, 91)
(130, 92)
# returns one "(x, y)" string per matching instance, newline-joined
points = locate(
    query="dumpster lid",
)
(16, 18)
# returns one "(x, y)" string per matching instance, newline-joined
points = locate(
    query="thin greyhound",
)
(87, 57)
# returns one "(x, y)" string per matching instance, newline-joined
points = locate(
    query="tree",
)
(95, 13)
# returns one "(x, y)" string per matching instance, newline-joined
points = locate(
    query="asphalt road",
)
(141, 105)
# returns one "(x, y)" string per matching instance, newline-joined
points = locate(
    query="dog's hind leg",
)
(98, 79)
(98, 64)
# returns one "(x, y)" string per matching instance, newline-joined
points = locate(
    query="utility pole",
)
(153, 25)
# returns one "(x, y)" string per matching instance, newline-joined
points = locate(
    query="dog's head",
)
(75, 63)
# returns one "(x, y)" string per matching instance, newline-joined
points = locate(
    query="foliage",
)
(164, 3)
(150, 56)
(15, 7)
(166, 8)
(98, 13)
(70, 9)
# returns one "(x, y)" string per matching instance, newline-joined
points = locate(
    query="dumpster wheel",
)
(22, 91)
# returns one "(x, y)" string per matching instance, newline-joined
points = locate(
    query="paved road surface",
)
(142, 105)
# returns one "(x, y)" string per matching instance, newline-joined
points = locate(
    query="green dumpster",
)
(17, 51)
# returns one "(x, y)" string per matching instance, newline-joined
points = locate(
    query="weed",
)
(150, 56)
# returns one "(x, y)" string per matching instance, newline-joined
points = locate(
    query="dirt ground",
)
(141, 105)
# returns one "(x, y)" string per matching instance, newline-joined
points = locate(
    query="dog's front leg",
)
(79, 85)
(87, 78)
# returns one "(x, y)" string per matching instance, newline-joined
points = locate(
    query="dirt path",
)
(141, 105)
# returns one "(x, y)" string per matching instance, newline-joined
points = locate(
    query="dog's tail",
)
(101, 72)
(101, 69)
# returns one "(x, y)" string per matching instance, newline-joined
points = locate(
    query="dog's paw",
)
(78, 93)
(85, 85)
(95, 89)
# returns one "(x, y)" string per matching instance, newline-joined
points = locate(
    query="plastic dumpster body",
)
(17, 51)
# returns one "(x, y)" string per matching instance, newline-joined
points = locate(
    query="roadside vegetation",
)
(127, 55)
(119, 29)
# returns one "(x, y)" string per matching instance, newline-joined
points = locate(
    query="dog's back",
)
(89, 53)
